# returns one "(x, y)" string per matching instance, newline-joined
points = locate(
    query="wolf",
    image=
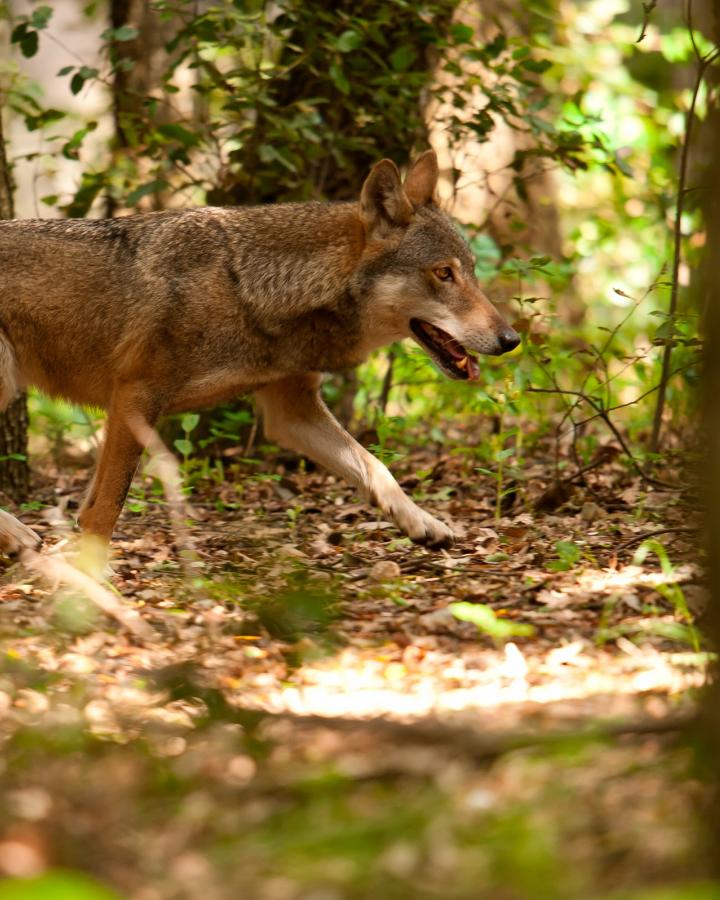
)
(171, 311)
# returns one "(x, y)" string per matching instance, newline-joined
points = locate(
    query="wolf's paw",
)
(422, 528)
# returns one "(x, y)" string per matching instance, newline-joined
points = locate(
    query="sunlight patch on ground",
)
(363, 684)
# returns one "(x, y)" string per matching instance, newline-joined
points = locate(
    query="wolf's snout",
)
(508, 339)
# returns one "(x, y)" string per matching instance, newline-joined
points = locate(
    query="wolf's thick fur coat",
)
(175, 310)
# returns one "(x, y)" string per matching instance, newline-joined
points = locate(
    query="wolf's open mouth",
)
(449, 354)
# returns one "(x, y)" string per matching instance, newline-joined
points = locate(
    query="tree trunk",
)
(711, 471)
(143, 62)
(14, 471)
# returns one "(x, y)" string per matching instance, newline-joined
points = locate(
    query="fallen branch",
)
(480, 745)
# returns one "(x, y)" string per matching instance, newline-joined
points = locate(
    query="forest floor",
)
(297, 711)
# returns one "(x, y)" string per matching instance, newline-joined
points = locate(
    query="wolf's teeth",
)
(462, 363)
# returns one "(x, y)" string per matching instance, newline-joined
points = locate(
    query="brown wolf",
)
(169, 311)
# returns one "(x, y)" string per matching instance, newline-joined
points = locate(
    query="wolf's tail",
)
(8, 371)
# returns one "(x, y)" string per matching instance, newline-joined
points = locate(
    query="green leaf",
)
(77, 82)
(92, 184)
(536, 65)
(184, 446)
(402, 58)
(462, 34)
(348, 40)
(178, 133)
(339, 79)
(46, 117)
(189, 422)
(496, 46)
(486, 621)
(55, 885)
(29, 44)
(151, 187)
(498, 556)
(41, 16)
(124, 33)
(66, 70)
(71, 148)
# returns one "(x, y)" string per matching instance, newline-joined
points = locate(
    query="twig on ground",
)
(639, 538)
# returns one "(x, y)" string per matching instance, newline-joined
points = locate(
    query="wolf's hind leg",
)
(296, 417)
(133, 412)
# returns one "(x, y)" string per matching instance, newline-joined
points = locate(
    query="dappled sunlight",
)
(368, 683)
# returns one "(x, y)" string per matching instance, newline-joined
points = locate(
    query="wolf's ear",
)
(384, 205)
(421, 180)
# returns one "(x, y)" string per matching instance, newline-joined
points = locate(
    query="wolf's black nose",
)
(508, 339)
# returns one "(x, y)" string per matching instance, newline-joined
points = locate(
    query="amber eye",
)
(444, 273)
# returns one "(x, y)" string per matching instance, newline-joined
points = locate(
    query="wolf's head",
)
(418, 273)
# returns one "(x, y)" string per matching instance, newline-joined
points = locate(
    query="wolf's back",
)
(62, 303)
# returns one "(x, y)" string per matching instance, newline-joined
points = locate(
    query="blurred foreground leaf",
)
(57, 885)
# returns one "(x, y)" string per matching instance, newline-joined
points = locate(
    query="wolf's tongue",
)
(473, 369)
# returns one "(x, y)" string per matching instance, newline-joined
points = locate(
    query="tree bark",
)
(14, 470)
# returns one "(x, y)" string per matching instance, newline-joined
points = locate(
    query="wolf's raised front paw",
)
(422, 528)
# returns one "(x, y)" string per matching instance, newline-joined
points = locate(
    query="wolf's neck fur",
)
(304, 253)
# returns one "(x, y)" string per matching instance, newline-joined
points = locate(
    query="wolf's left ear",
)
(421, 180)
(384, 205)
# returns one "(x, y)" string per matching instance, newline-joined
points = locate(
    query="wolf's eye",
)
(444, 273)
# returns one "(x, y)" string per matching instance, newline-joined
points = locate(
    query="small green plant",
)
(390, 430)
(568, 554)
(184, 445)
(486, 621)
(505, 445)
(293, 514)
(671, 591)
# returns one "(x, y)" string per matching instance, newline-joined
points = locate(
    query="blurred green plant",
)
(487, 621)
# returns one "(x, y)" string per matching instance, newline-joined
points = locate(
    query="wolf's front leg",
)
(296, 417)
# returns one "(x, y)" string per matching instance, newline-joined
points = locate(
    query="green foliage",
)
(297, 102)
